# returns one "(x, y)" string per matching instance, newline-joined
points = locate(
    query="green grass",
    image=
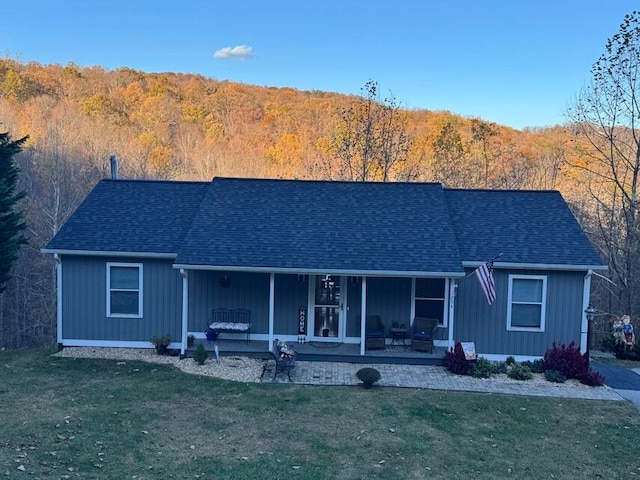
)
(80, 418)
(616, 362)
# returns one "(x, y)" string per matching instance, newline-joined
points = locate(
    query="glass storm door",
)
(328, 307)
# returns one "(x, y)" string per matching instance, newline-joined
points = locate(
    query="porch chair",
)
(422, 332)
(373, 332)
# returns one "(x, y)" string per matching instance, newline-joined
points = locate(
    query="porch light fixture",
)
(225, 281)
(301, 278)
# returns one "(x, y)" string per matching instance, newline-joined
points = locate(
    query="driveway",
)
(620, 378)
(624, 380)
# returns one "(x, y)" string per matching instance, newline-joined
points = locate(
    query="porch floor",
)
(318, 352)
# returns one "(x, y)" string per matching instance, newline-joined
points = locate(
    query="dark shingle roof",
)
(323, 225)
(534, 227)
(330, 226)
(132, 216)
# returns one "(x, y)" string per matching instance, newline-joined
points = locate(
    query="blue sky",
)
(514, 62)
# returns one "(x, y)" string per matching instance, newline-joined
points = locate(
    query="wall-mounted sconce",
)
(225, 281)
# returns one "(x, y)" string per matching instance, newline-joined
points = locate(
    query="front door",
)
(327, 298)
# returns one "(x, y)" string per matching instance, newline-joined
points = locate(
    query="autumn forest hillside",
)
(188, 127)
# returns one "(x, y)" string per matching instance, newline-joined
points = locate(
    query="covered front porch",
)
(325, 352)
(321, 314)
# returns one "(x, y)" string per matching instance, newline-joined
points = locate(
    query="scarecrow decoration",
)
(627, 331)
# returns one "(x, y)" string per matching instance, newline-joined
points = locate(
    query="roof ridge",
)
(498, 190)
(146, 180)
(307, 181)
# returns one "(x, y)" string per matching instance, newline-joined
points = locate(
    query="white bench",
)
(224, 320)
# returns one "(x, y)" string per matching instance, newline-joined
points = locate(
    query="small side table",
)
(399, 335)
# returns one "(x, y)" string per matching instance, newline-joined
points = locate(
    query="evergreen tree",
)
(11, 221)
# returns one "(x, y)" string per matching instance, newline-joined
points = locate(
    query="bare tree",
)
(482, 133)
(371, 140)
(606, 115)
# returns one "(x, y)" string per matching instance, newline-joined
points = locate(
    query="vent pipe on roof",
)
(114, 167)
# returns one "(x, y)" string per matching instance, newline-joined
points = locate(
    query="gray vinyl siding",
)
(476, 321)
(390, 298)
(246, 290)
(84, 301)
(290, 294)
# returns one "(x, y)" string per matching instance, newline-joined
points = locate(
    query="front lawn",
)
(81, 418)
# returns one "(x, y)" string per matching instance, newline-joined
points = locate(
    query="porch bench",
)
(224, 320)
(285, 358)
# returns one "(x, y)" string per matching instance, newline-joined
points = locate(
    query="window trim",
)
(445, 300)
(542, 303)
(140, 289)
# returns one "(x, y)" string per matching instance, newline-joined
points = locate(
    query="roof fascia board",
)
(97, 253)
(328, 271)
(538, 266)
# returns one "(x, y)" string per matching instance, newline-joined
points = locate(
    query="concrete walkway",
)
(436, 378)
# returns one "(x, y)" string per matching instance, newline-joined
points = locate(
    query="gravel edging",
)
(235, 368)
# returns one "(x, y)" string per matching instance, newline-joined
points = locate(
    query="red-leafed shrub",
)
(566, 359)
(456, 361)
(592, 378)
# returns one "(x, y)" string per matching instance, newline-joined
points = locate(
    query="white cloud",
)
(240, 51)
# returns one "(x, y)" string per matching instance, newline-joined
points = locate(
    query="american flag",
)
(485, 276)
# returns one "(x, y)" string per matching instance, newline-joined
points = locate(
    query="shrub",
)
(520, 372)
(482, 368)
(510, 361)
(368, 376)
(456, 361)
(500, 367)
(161, 344)
(591, 378)
(566, 359)
(622, 352)
(200, 355)
(535, 366)
(554, 376)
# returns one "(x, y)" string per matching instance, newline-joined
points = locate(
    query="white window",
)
(428, 298)
(527, 303)
(124, 290)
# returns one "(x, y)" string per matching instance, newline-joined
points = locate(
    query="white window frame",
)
(543, 303)
(445, 313)
(140, 289)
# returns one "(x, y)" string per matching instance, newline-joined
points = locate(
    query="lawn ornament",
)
(617, 328)
(627, 331)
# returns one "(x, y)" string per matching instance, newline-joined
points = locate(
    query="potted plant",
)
(191, 340)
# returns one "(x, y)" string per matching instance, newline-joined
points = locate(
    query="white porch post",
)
(272, 282)
(363, 315)
(452, 301)
(586, 297)
(185, 310)
(58, 298)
